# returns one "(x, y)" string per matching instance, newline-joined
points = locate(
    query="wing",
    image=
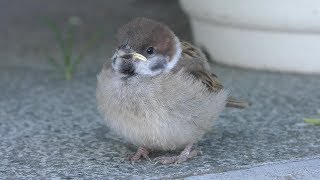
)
(196, 63)
(210, 80)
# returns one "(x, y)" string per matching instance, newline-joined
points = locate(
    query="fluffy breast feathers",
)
(164, 112)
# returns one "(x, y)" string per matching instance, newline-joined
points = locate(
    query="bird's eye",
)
(150, 50)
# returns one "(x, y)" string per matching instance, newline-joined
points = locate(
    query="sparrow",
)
(159, 93)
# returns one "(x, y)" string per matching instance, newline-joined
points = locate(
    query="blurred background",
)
(25, 34)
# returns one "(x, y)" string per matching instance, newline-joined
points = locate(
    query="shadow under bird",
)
(159, 93)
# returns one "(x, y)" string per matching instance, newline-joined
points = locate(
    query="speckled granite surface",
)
(50, 128)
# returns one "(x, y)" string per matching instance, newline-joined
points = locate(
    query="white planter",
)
(278, 35)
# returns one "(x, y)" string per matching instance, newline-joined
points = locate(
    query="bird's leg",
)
(184, 156)
(141, 152)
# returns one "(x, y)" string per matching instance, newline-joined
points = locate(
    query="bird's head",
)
(145, 47)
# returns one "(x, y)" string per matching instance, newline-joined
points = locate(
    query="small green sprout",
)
(66, 44)
(313, 121)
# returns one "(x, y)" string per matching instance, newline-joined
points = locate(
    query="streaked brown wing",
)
(210, 81)
(195, 63)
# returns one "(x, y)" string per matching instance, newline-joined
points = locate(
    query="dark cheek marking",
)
(157, 66)
(127, 68)
(114, 60)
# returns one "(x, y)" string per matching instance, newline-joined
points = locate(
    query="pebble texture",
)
(50, 128)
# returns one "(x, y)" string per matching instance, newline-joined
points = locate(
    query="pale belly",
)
(155, 129)
(164, 112)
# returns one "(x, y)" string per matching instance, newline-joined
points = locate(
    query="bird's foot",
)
(141, 152)
(186, 154)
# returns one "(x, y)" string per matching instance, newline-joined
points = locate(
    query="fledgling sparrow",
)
(159, 93)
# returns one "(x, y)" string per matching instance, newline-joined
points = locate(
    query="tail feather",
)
(240, 104)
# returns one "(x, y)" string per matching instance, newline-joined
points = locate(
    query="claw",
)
(141, 152)
(186, 154)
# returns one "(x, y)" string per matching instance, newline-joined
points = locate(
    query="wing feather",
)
(195, 62)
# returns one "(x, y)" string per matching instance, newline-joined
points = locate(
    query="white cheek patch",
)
(114, 61)
(176, 56)
(143, 67)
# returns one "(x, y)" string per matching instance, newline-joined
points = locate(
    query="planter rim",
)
(286, 15)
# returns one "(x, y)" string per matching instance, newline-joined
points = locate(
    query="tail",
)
(232, 102)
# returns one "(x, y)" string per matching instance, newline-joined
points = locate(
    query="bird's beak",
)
(138, 56)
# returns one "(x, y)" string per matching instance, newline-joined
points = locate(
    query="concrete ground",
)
(302, 170)
(50, 127)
